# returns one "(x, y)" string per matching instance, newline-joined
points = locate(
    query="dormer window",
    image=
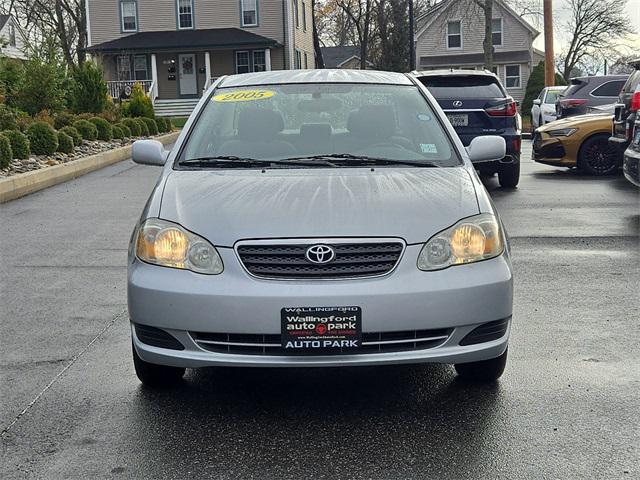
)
(185, 14)
(128, 16)
(496, 32)
(454, 35)
(249, 13)
(12, 35)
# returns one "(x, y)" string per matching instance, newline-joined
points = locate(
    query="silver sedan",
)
(319, 218)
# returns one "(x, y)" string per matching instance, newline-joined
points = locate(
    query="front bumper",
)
(550, 151)
(458, 298)
(631, 166)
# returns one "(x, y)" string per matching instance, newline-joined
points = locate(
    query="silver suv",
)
(316, 219)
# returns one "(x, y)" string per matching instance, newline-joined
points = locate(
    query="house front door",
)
(188, 78)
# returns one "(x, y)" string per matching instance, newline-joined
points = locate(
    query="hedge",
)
(144, 130)
(151, 124)
(117, 132)
(5, 152)
(19, 143)
(105, 132)
(75, 135)
(133, 126)
(65, 143)
(125, 130)
(87, 129)
(42, 138)
(63, 119)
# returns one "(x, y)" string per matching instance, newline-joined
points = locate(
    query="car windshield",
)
(463, 86)
(308, 122)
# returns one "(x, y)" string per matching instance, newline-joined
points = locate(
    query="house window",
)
(512, 76)
(304, 17)
(454, 35)
(12, 35)
(259, 61)
(185, 14)
(298, 64)
(496, 32)
(306, 60)
(140, 70)
(249, 13)
(296, 13)
(129, 16)
(124, 67)
(242, 62)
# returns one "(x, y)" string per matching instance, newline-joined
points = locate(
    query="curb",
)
(23, 184)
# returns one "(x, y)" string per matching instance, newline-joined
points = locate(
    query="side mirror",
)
(149, 152)
(537, 101)
(487, 148)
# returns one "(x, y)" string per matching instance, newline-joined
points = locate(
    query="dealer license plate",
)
(316, 329)
(458, 119)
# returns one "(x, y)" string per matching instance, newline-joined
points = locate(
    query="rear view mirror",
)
(537, 101)
(149, 152)
(487, 148)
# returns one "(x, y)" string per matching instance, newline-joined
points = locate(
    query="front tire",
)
(509, 173)
(153, 375)
(485, 371)
(597, 157)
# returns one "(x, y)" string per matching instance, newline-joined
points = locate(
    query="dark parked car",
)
(631, 165)
(477, 104)
(584, 92)
(626, 111)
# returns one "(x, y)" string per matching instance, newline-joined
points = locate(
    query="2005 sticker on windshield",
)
(243, 96)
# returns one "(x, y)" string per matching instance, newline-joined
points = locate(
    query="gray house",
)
(12, 43)
(176, 48)
(450, 35)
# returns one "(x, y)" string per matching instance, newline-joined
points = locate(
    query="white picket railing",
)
(119, 89)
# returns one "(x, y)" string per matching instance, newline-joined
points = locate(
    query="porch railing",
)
(119, 89)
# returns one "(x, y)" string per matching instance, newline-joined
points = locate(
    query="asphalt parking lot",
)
(567, 406)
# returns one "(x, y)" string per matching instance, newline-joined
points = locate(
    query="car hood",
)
(227, 206)
(578, 121)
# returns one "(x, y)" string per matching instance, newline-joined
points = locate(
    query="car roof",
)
(451, 72)
(593, 78)
(315, 76)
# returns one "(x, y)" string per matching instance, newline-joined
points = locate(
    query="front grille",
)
(372, 342)
(351, 260)
(486, 332)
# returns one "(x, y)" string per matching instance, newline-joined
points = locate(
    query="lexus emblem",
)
(457, 103)
(320, 254)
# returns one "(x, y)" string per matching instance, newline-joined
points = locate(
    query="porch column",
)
(154, 68)
(267, 59)
(207, 67)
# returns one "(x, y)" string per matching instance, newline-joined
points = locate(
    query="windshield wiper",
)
(227, 160)
(365, 160)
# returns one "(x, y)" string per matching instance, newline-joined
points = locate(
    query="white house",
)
(12, 43)
(450, 35)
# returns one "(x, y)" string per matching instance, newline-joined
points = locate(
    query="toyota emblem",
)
(320, 254)
(457, 103)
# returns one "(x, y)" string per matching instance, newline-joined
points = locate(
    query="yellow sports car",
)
(580, 141)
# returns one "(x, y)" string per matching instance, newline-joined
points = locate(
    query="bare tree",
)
(359, 12)
(487, 44)
(64, 19)
(595, 26)
(316, 39)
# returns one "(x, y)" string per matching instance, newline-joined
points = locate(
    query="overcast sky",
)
(561, 13)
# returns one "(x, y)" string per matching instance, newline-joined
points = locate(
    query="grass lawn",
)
(179, 121)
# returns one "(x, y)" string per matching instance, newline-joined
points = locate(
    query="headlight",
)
(563, 132)
(470, 240)
(167, 244)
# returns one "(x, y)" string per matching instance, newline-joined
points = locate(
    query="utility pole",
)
(549, 66)
(412, 46)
